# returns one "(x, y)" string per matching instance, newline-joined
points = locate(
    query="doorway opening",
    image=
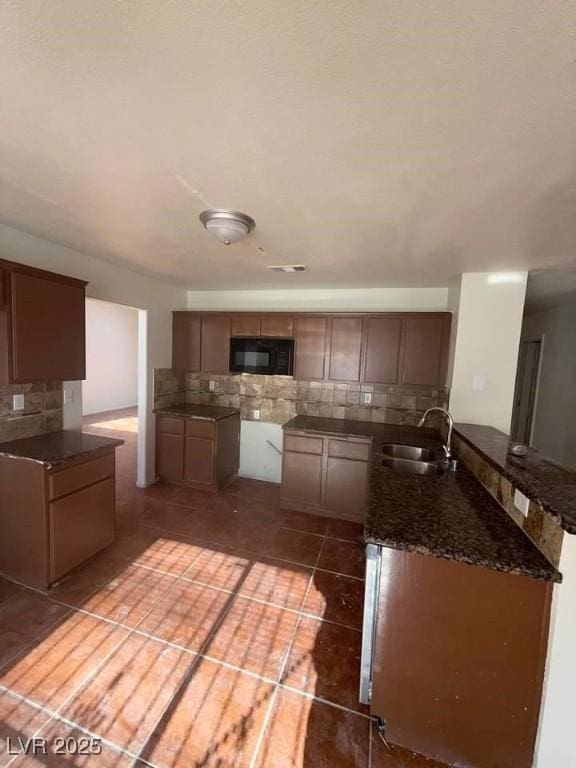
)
(526, 390)
(111, 391)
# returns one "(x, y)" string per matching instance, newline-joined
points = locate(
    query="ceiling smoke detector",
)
(228, 226)
(289, 268)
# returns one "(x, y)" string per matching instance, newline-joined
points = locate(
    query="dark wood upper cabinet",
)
(186, 339)
(42, 326)
(277, 326)
(215, 343)
(426, 349)
(345, 349)
(246, 325)
(383, 337)
(310, 347)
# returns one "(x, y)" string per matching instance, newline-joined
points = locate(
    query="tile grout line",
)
(274, 696)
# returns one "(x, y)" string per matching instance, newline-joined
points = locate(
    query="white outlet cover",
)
(521, 502)
(68, 396)
(211, 386)
(479, 382)
(367, 398)
(256, 415)
(18, 402)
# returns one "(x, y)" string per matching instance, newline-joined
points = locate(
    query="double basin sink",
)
(410, 459)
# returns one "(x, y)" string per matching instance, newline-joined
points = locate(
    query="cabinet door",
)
(246, 325)
(346, 487)
(81, 524)
(277, 326)
(170, 456)
(215, 343)
(199, 460)
(48, 329)
(426, 350)
(186, 330)
(302, 478)
(310, 347)
(345, 349)
(383, 336)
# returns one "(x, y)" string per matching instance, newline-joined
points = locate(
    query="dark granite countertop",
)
(449, 515)
(539, 478)
(205, 412)
(56, 449)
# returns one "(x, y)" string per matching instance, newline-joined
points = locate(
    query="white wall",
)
(555, 413)
(556, 745)
(333, 300)
(111, 357)
(490, 313)
(108, 282)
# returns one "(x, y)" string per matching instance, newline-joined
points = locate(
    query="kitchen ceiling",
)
(381, 143)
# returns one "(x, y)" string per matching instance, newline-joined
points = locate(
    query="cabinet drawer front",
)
(199, 428)
(80, 525)
(171, 425)
(303, 444)
(348, 450)
(69, 480)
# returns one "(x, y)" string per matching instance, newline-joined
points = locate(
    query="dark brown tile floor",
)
(218, 630)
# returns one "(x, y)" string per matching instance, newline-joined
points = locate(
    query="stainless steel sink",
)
(412, 452)
(411, 466)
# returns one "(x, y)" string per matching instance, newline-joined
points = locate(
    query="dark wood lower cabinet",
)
(197, 451)
(458, 661)
(52, 520)
(325, 475)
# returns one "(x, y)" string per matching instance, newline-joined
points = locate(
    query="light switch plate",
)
(211, 386)
(256, 415)
(521, 502)
(18, 403)
(366, 398)
(479, 382)
(68, 396)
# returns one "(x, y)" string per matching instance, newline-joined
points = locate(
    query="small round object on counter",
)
(519, 449)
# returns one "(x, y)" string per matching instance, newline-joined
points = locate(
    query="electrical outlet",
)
(256, 415)
(211, 386)
(366, 398)
(479, 382)
(521, 502)
(68, 396)
(18, 402)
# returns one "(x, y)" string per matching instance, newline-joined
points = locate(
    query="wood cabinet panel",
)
(345, 348)
(382, 347)
(426, 349)
(81, 524)
(310, 347)
(349, 449)
(48, 329)
(302, 444)
(474, 641)
(170, 456)
(199, 460)
(215, 343)
(302, 478)
(69, 480)
(277, 326)
(246, 325)
(171, 425)
(346, 487)
(186, 340)
(200, 428)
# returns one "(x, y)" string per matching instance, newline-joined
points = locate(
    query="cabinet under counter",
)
(57, 504)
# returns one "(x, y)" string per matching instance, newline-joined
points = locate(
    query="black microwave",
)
(272, 357)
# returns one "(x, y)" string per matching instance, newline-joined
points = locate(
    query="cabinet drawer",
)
(345, 449)
(79, 476)
(300, 444)
(200, 428)
(81, 524)
(171, 425)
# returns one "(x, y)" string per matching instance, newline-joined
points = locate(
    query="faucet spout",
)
(448, 444)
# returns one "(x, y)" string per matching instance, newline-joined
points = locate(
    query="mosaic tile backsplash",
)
(540, 527)
(280, 398)
(43, 404)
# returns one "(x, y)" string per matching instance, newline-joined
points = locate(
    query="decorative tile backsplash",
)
(43, 404)
(280, 398)
(538, 525)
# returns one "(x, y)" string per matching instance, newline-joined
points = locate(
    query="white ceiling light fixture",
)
(288, 268)
(228, 226)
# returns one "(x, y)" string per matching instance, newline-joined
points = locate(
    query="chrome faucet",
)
(448, 445)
